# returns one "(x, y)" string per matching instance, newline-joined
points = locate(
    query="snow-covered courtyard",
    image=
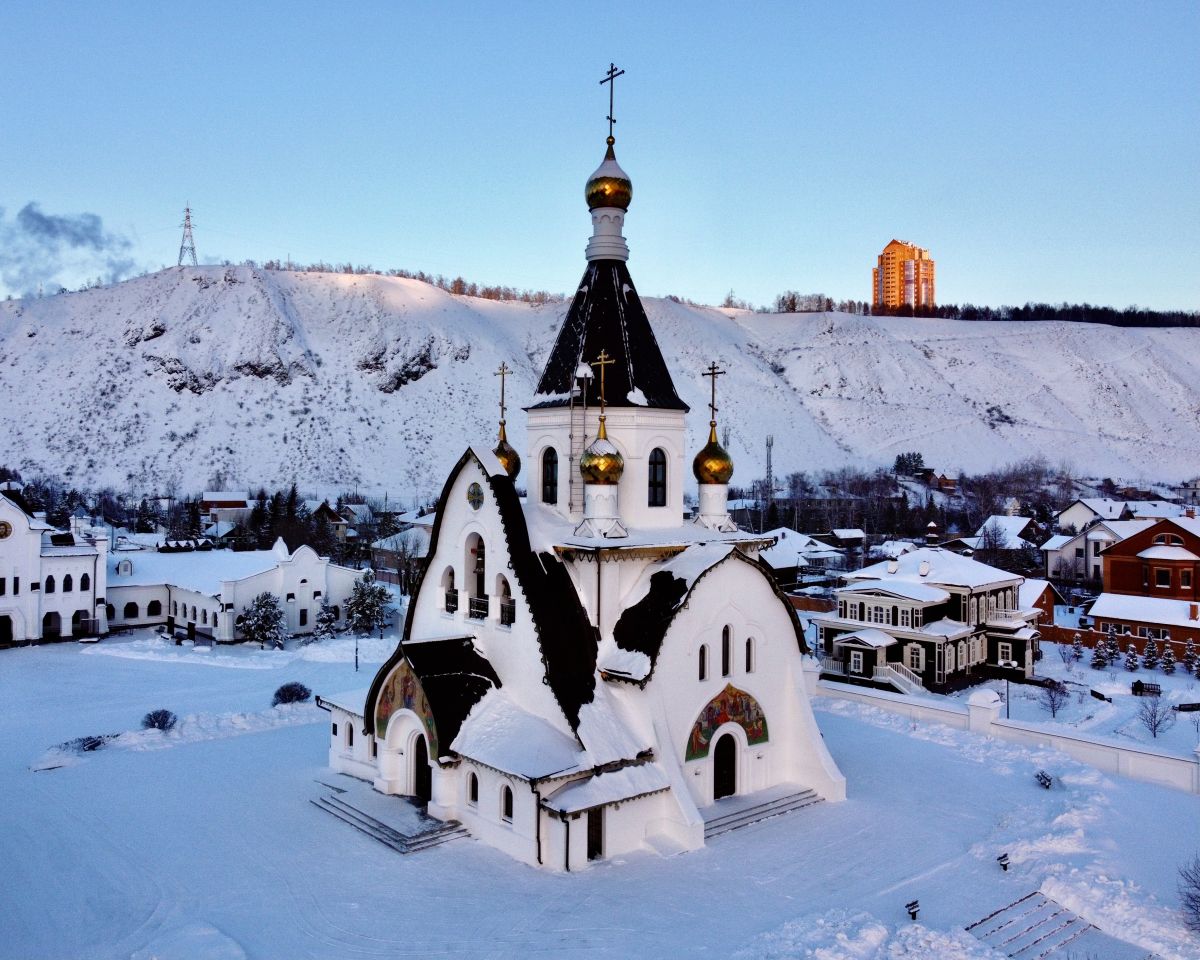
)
(203, 843)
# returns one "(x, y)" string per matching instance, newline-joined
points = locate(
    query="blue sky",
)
(1040, 151)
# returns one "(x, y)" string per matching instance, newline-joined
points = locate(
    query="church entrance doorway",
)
(595, 833)
(51, 626)
(725, 767)
(6, 631)
(422, 776)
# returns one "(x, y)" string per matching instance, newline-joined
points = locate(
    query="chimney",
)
(931, 533)
(1190, 513)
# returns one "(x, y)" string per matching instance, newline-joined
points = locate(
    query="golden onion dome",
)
(609, 186)
(508, 457)
(601, 463)
(713, 464)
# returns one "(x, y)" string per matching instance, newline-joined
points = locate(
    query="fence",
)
(982, 715)
(1089, 637)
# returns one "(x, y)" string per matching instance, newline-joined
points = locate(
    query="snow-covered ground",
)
(1116, 721)
(252, 371)
(202, 842)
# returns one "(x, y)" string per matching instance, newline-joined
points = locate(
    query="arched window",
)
(656, 491)
(49, 587)
(506, 803)
(154, 608)
(204, 617)
(131, 611)
(726, 651)
(472, 789)
(704, 661)
(68, 583)
(174, 608)
(749, 654)
(125, 568)
(550, 476)
(85, 582)
(193, 617)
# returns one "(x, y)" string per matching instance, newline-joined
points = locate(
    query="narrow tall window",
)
(704, 661)
(472, 789)
(85, 582)
(749, 654)
(506, 804)
(550, 476)
(68, 583)
(657, 490)
(49, 588)
(726, 651)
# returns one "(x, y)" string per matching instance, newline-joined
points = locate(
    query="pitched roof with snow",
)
(202, 571)
(607, 314)
(1008, 530)
(1102, 507)
(1170, 613)
(866, 637)
(922, 592)
(1162, 551)
(1057, 541)
(940, 567)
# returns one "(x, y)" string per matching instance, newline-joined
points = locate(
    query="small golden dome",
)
(508, 457)
(713, 464)
(601, 463)
(609, 186)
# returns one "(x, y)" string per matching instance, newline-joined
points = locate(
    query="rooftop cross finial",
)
(610, 79)
(712, 373)
(602, 361)
(502, 373)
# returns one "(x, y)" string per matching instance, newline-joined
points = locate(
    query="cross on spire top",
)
(502, 373)
(602, 361)
(610, 78)
(712, 373)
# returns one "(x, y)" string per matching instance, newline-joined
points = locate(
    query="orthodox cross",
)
(610, 79)
(602, 361)
(503, 372)
(712, 373)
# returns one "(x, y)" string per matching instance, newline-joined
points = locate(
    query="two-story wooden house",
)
(930, 619)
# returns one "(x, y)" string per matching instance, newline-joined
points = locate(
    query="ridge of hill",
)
(329, 379)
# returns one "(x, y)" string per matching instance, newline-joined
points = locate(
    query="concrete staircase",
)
(722, 819)
(1038, 928)
(389, 836)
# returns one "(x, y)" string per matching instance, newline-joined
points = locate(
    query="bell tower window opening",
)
(657, 488)
(550, 476)
(726, 651)
(704, 661)
(476, 564)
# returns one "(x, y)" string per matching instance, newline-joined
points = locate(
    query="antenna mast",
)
(187, 247)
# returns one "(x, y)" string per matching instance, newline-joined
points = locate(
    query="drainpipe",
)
(567, 855)
(537, 818)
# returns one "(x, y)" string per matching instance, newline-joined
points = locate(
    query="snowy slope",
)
(330, 379)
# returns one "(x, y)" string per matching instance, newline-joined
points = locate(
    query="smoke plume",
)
(47, 251)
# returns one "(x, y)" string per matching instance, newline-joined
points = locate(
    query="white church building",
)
(583, 672)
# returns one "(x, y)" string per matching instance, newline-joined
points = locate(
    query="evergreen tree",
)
(1168, 659)
(368, 608)
(1150, 656)
(1099, 660)
(1131, 657)
(1077, 648)
(326, 622)
(1113, 653)
(263, 622)
(1189, 656)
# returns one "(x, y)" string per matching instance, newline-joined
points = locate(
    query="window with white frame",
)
(905, 616)
(916, 658)
(949, 658)
(1004, 652)
(856, 661)
(1162, 576)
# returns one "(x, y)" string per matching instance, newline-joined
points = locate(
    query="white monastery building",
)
(584, 672)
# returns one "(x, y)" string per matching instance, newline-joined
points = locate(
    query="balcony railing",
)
(477, 608)
(830, 665)
(451, 601)
(508, 612)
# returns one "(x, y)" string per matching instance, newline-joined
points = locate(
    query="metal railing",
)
(477, 608)
(451, 601)
(508, 612)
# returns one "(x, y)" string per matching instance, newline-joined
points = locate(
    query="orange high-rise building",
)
(903, 276)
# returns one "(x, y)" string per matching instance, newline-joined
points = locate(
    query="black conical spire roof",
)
(607, 314)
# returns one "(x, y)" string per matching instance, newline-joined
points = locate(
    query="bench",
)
(1043, 778)
(1141, 689)
(1188, 707)
(1099, 696)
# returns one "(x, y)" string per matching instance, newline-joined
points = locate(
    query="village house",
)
(929, 620)
(1077, 557)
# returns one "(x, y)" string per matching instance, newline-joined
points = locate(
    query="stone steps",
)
(388, 836)
(1038, 928)
(759, 812)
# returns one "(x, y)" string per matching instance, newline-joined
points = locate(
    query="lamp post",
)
(1007, 701)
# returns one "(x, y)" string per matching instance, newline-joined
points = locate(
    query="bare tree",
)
(1156, 716)
(1189, 893)
(1053, 697)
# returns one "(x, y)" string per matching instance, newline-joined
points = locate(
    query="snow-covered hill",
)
(331, 379)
